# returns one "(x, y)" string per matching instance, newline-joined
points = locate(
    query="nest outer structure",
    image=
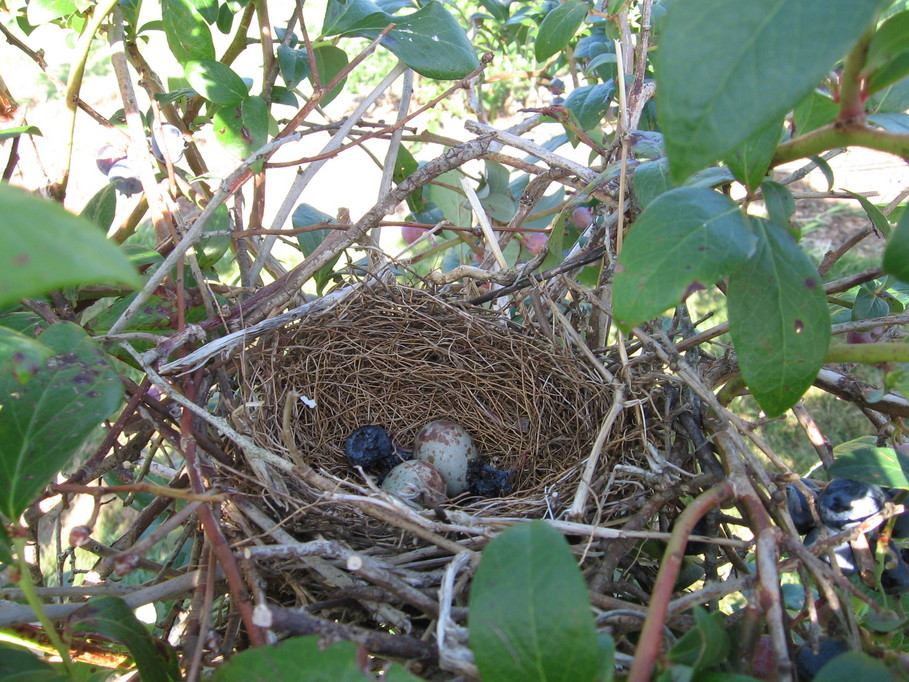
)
(400, 358)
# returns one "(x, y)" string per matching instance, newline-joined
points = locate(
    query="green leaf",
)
(896, 255)
(305, 215)
(330, 60)
(727, 70)
(687, 239)
(188, 36)
(299, 659)
(778, 319)
(43, 11)
(210, 249)
(878, 219)
(66, 251)
(854, 665)
(293, 64)
(888, 52)
(861, 460)
(750, 161)
(216, 82)
(43, 422)
(651, 179)
(243, 128)
(112, 619)
(20, 665)
(558, 28)
(8, 133)
(102, 207)
(354, 17)
(451, 201)
(705, 645)
(778, 201)
(529, 615)
(816, 110)
(589, 103)
(432, 43)
(20, 355)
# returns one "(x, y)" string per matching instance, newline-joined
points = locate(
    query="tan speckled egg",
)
(448, 446)
(417, 483)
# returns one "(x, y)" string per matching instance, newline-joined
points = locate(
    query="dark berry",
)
(484, 480)
(371, 448)
(808, 663)
(845, 503)
(800, 506)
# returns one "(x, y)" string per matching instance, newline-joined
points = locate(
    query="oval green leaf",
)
(44, 422)
(529, 615)
(432, 43)
(216, 82)
(293, 64)
(188, 36)
(243, 128)
(589, 103)
(687, 239)
(727, 70)
(896, 255)
(558, 28)
(66, 251)
(861, 460)
(778, 319)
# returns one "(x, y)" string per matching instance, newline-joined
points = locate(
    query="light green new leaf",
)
(112, 619)
(529, 616)
(727, 70)
(778, 319)
(43, 11)
(896, 255)
(558, 28)
(686, 239)
(44, 421)
(8, 133)
(216, 82)
(451, 202)
(42, 248)
(188, 36)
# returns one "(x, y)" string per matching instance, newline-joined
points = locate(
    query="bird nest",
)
(400, 358)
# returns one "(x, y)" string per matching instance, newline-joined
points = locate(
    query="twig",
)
(195, 232)
(651, 638)
(304, 178)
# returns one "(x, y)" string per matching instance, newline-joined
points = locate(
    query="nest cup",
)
(400, 358)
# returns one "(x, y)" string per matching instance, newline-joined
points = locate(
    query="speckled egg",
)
(417, 483)
(449, 447)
